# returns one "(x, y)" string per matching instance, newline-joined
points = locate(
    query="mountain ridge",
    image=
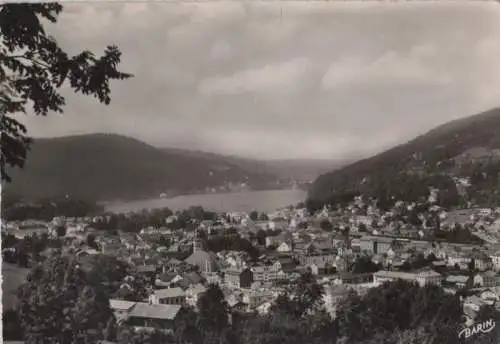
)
(110, 167)
(434, 159)
(295, 169)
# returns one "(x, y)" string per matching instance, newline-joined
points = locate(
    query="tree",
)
(107, 271)
(12, 330)
(304, 297)
(195, 213)
(22, 254)
(187, 327)
(91, 242)
(33, 68)
(213, 310)
(8, 240)
(400, 305)
(254, 215)
(261, 236)
(135, 287)
(129, 336)
(326, 225)
(309, 293)
(320, 325)
(61, 231)
(364, 264)
(472, 266)
(263, 217)
(419, 262)
(431, 257)
(58, 305)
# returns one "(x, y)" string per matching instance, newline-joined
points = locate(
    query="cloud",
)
(290, 79)
(390, 68)
(221, 50)
(286, 77)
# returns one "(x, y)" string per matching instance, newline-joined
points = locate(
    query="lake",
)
(261, 201)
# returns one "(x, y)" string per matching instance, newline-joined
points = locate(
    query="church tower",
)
(197, 242)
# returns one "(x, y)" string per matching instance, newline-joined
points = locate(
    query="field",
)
(13, 277)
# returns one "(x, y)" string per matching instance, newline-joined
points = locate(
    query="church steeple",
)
(197, 242)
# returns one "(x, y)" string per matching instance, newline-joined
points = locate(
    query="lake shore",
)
(265, 200)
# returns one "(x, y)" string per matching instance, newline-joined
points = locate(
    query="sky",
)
(283, 80)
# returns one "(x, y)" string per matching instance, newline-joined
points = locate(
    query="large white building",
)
(424, 277)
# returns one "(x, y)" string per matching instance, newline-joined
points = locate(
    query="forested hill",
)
(109, 167)
(461, 158)
(288, 169)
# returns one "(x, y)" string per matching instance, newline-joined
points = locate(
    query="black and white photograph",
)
(250, 172)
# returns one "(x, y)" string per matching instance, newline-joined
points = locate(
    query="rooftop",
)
(428, 273)
(145, 310)
(395, 274)
(169, 292)
(457, 279)
(121, 304)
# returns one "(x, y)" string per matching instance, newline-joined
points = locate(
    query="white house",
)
(284, 247)
(168, 296)
(194, 293)
(495, 260)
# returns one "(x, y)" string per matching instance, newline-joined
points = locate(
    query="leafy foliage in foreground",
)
(60, 305)
(33, 68)
(400, 306)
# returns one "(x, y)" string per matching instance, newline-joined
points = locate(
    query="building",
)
(375, 244)
(148, 271)
(427, 277)
(487, 279)
(238, 278)
(149, 316)
(121, 308)
(265, 273)
(333, 295)
(193, 294)
(489, 297)
(167, 280)
(481, 261)
(255, 298)
(168, 296)
(383, 276)
(351, 278)
(322, 268)
(284, 247)
(459, 281)
(495, 260)
(317, 259)
(458, 258)
(278, 240)
(206, 262)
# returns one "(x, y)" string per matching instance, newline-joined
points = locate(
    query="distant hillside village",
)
(254, 258)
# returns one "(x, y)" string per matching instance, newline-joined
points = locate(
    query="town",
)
(254, 258)
(242, 172)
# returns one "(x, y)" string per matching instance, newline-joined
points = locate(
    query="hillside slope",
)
(461, 158)
(111, 167)
(294, 169)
